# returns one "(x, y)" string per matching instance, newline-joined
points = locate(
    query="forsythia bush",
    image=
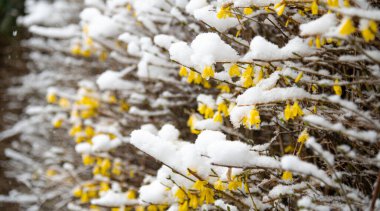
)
(212, 105)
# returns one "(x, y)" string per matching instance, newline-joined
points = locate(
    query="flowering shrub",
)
(231, 105)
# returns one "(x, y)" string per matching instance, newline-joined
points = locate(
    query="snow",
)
(154, 193)
(369, 135)
(103, 143)
(362, 13)
(220, 203)
(238, 113)
(181, 53)
(112, 80)
(98, 24)
(232, 153)
(54, 32)
(83, 148)
(281, 190)
(113, 199)
(207, 100)
(169, 133)
(255, 95)
(327, 156)
(195, 4)
(319, 26)
(208, 48)
(164, 41)
(270, 82)
(208, 15)
(306, 203)
(293, 163)
(154, 146)
(207, 124)
(261, 49)
(259, 3)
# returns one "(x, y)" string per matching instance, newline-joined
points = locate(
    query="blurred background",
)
(12, 64)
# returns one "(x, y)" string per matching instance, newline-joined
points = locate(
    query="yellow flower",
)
(198, 78)
(218, 117)
(224, 12)
(207, 195)
(85, 114)
(224, 88)
(206, 84)
(289, 149)
(191, 77)
(234, 184)
(124, 106)
(51, 172)
(247, 11)
(248, 72)
(86, 53)
(337, 88)
(131, 194)
(248, 82)
(318, 42)
(253, 118)
(296, 110)
(346, 3)
(132, 174)
(369, 31)
(287, 176)
(180, 195)
(373, 26)
(103, 56)
(64, 103)
(183, 71)
(222, 108)
(314, 8)
(57, 123)
(89, 41)
(105, 166)
(112, 99)
(75, 50)
(259, 76)
(77, 192)
(75, 129)
(287, 112)
(87, 160)
(191, 120)
(303, 136)
(193, 202)
(238, 33)
(333, 3)
(116, 167)
(207, 72)
(368, 35)
(218, 185)
(139, 208)
(202, 108)
(209, 113)
(280, 8)
(152, 208)
(89, 131)
(51, 97)
(104, 186)
(84, 197)
(347, 27)
(184, 206)
(199, 185)
(299, 76)
(310, 42)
